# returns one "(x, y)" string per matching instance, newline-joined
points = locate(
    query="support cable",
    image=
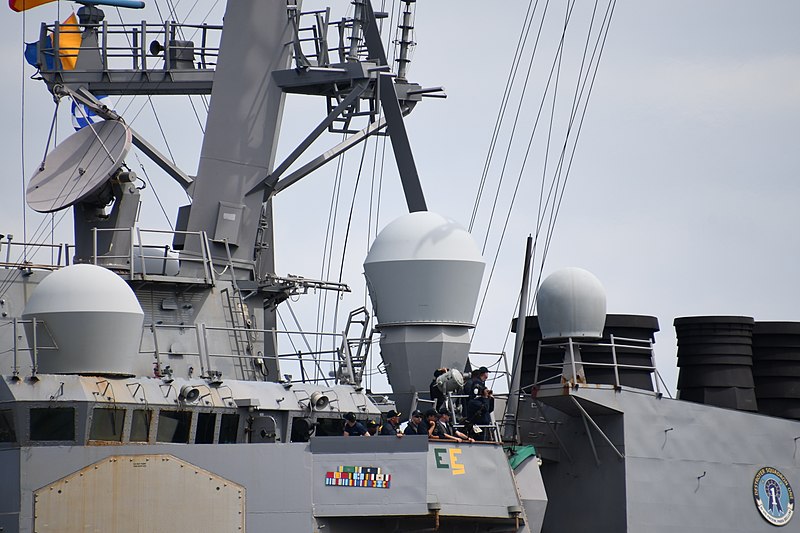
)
(512, 74)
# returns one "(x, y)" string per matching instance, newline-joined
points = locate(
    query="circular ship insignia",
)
(773, 496)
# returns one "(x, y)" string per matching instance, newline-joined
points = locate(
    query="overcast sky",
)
(681, 198)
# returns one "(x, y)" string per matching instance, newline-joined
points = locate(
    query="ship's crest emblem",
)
(773, 496)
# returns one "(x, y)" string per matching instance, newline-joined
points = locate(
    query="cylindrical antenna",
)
(355, 36)
(406, 27)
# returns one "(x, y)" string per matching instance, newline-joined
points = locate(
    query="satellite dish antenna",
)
(79, 167)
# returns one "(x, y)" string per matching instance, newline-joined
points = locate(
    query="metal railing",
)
(497, 359)
(33, 255)
(208, 340)
(142, 252)
(452, 403)
(21, 345)
(127, 46)
(29, 337)
(570, 369)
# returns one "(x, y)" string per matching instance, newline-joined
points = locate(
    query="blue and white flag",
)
(82, 115)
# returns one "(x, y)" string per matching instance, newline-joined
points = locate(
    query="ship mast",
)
(238, 174)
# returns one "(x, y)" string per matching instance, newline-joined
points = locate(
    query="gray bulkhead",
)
(686, 467)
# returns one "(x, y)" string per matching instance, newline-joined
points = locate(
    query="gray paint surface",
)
(234, 157)
(286, 490)
(687, 467)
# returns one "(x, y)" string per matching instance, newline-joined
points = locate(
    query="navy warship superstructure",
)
(143, 388)
(722, 457)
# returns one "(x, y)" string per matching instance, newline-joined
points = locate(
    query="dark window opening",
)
(107, 424)
(302, 429)
(7, 433)
(140, 425)
(52, 423)
(173, 426)
(329, 427)
(229, 429)
(205, 428)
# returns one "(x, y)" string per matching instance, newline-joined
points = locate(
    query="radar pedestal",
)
(85, 172)
(424, 273)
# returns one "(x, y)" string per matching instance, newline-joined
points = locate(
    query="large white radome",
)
(93, 317)
(424, 269)
(424, 235)
(79, 288)
(571, 303)
(424, 273)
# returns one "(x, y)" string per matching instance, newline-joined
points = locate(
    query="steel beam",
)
(271, 180)
(337, 150)
(400, 145)
(590, 420)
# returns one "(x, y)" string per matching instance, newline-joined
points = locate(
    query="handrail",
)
(207, 356)
(131, 42)
(137, 266)
(31, 348)
(568, 348)
(30, 254)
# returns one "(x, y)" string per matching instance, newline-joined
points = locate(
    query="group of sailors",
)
(476, 407)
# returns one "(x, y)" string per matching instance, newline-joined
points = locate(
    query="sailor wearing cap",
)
(474, 384)
(415, 425)
(354, 428)
(445, 428)
(392, 425)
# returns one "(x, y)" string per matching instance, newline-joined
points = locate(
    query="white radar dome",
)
(93, 318)
(424, 269)
(571, 303)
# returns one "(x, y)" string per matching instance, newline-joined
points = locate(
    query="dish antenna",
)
(78, 168)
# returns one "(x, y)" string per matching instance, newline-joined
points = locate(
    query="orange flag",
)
(69, 42)
(22, 5)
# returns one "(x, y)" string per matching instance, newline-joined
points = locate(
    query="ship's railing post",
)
(614, 361)
(165, 257)
(8, 250)
(94, 246)
(144, 50)
(56, 54)
(656, 376)
(200, 333)
(205, 346)
(155, 348)
(141, 252)
(43, 48)
(572, 361)
(323, 58)
(167, 45)
(35, 351)
(135, 47)
(104, 45)
(208, 267)
(203, 37)
(15, 369)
